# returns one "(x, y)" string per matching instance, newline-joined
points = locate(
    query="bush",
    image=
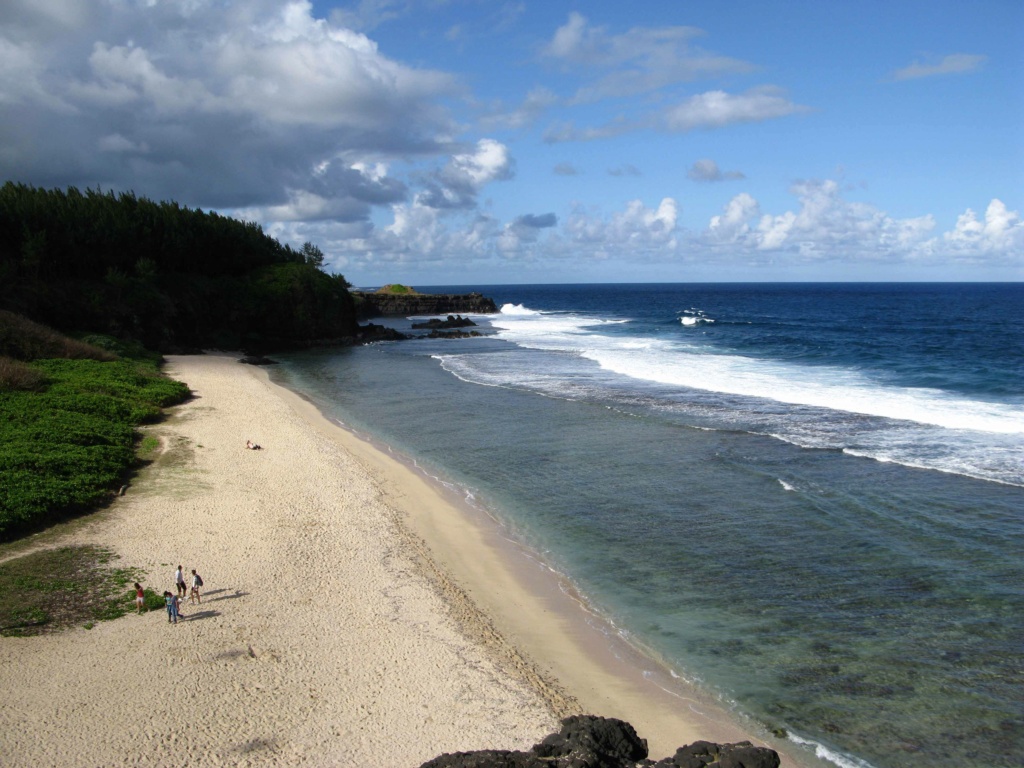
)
(66, 448)
(16, 375)
(23, 339)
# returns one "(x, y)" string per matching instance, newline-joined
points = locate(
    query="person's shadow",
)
(196, 615)
(236, 594)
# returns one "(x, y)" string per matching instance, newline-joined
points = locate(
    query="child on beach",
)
(197, 582)
(140, 598)
(172, 603)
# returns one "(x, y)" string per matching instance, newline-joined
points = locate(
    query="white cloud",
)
(956, 63)
(228, 105)
(733, 225)
(459, 182)
(716, 109)
(636, 231)
(1002, 232)
(827, 227)
(708, 170)
(638, 61)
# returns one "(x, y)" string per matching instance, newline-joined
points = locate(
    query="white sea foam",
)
(786, 486)
(824, 753)
(686, 365)
(828, 407)
(517, 309)
(694, 317)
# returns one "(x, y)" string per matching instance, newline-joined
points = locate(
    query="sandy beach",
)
(353, 613)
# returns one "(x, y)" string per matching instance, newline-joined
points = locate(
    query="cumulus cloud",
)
(822, 228)
(956, 63)
(635, 231)
(827, 227)
(708, 170)
(716, 109)
(1002, 231)
(459, 182)
(641, 60)
(226, 105)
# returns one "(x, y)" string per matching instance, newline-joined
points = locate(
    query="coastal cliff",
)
(383, 304)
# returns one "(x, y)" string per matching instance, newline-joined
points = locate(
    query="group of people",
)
(172, 601)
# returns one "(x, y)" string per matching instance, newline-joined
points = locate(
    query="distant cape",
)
(405, 304)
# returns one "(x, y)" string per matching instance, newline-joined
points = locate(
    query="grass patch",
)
(398, 288)
(148, 446)
(53, 589)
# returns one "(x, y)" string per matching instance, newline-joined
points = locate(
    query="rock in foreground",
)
(587, 741)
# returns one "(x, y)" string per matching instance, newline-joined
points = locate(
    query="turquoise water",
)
(807, 499)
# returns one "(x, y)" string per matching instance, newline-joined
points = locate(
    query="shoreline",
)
(349, 615)
(539, 612)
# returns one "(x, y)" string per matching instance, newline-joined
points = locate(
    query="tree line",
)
(171, 277)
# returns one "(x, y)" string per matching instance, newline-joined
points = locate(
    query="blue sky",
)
(471, 142)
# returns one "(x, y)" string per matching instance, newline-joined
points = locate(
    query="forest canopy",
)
(171, 277)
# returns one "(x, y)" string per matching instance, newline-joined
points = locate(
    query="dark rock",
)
(587, 741)
(456, 321)
(600, 742)
(372, 332)
(257, 360)
(435, 334)
(740, 755)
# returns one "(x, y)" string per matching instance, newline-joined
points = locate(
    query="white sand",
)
(352, 614)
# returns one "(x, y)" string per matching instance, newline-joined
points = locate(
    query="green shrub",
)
(66, 448)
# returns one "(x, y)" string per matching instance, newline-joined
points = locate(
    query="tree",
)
(312, 255)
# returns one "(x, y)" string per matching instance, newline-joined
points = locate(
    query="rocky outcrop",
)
(587, 741)
(398, 304)
(453, 321)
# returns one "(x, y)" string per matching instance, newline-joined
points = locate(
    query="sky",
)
(475, 142)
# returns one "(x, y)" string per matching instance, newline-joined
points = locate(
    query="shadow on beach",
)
(237, 593)
(195, 616)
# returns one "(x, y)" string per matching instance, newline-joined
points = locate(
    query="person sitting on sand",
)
(251, 445)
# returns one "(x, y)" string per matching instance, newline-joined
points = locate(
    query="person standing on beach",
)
(140, 598)
(171, 601)
(179, 580)
(197, 582)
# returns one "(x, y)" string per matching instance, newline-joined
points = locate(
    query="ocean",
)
(805, 499)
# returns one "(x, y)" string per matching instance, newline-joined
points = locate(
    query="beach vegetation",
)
(397, 289)
(53, 589)
(68, 426)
